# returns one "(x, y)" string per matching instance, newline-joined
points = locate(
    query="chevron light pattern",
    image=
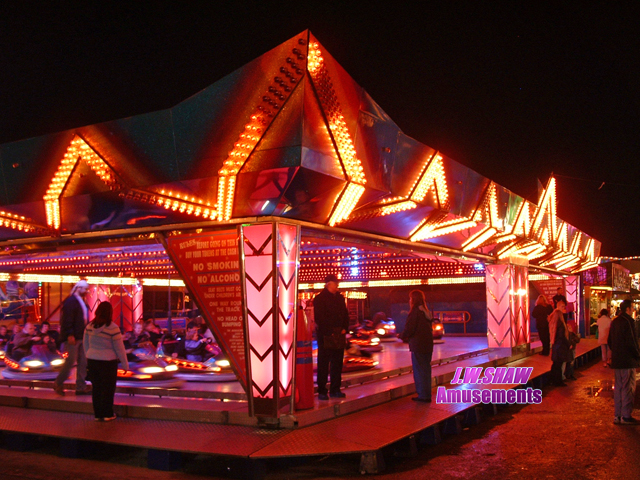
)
(498, 282)
(77, 150)
(287, 265)
(572, 292)
(259, 295)
(270, 262)
(285, 78)
(519, 300)
(342, 138)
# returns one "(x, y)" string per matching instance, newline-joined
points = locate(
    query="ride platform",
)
(374, 416)
(225, 402)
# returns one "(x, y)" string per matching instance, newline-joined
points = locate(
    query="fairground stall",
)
(241, 199)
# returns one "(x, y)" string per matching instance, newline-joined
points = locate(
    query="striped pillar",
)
(572, 292)
(507, 305)
(270, 259)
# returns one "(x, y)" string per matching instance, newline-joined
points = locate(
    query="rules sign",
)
(209, 264)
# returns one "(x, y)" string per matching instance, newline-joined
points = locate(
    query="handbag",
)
(574, 339)
(335, 341)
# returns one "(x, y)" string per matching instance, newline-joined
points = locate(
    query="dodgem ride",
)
(146, 370)
(214, 369)
(40, 364)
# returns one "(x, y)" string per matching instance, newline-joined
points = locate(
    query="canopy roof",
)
(288, 135)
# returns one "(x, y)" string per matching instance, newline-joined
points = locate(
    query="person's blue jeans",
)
(624, 391)
(421, 363)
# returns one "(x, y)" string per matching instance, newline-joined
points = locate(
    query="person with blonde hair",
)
(541, 313)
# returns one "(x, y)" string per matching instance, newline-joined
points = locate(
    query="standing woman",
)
(604, 324)
(104, 347)
(561, 349)
(541, 313)
(419, 335)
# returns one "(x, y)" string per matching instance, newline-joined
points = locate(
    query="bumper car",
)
(2, 355)
(369, 344)
(387, 331)
(215, 369)
(438, 330)
(354, 363)
(41, 364)
(354, 360)
(146, 371)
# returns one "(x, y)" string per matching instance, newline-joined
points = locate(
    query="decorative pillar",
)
(507, 305)
(572, 292)
(270, 259)
(126, 301)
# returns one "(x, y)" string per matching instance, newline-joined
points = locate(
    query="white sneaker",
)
(109, 419)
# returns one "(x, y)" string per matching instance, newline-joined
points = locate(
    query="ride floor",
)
(225, 402)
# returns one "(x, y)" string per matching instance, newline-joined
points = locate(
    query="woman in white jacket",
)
(104, 347)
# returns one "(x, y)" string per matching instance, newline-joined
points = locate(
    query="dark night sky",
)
(514, 92)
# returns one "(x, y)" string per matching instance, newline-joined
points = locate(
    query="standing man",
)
(559, 297)
(75, 315)
(332, 321)
(625, 358)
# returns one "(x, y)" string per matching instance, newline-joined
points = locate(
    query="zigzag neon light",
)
(442, 228)
(269, 104)
(340, 133)
(77, 150)
(430, 178)
(487, 213)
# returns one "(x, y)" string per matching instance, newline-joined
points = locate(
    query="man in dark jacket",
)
(75, 315)
(625, 358)
(332, 321)
(559, 297)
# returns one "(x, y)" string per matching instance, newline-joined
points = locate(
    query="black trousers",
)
(556, 373)
(103, 375)
(545, 338)
(329, 360)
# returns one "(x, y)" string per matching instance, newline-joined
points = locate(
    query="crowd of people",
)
(18, 343)
(555, 322)
(95, 348)
(617, 338)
